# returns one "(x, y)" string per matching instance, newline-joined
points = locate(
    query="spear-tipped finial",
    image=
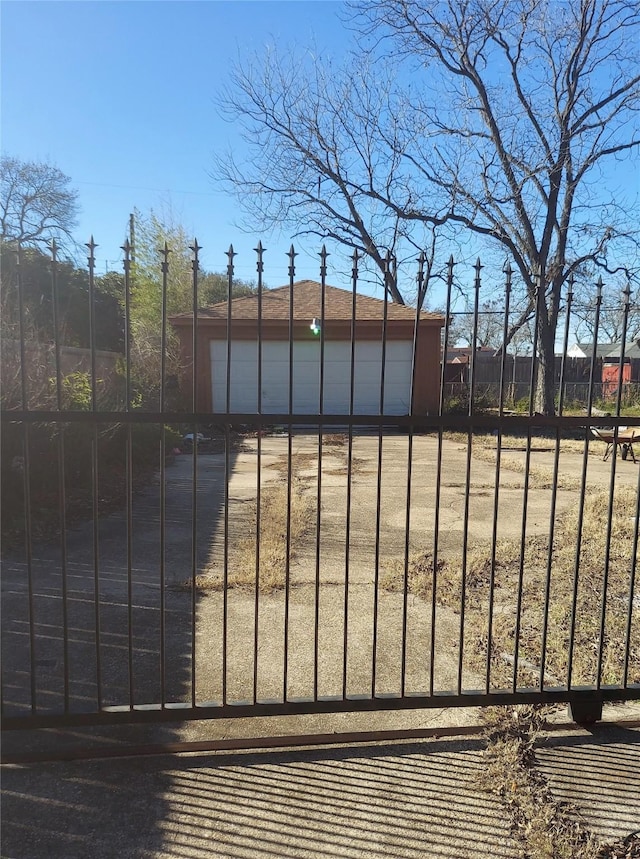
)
(450, 265)
(355, 259)
(165, 251)
(570, 282)
(508, 273)
(260, 251)
(420, 276)
(230, 255)
(195, 249)
(126, 262)
(91, 259)
(291, 253)
(323, 261)
(626, 293)
(478, 267)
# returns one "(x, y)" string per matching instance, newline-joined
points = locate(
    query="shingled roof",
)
(307, 305)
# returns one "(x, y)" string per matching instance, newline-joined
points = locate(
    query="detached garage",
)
(292, 325)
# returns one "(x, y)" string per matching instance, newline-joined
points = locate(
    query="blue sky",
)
(120, 97)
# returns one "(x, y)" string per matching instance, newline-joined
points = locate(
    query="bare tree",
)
(499, 122)
(611, 317)
(317, 158)
(37, 203)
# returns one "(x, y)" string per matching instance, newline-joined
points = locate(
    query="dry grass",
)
(539, 477)
(585, 610)
(543, 827)
(335, 439)
(484, 449)
(420, 570)
(274, 508)
(538, 443)
(299, 462)
(419, 574)
(358, 466)
(309, 461)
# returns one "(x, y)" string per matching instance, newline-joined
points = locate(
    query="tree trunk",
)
(544, 402)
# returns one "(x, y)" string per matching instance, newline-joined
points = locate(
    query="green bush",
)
(76, 391)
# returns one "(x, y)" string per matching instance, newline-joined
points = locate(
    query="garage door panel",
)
(336, 399)
(306, 377)
(337, 373)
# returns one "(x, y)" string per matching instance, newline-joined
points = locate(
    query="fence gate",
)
(273, 505)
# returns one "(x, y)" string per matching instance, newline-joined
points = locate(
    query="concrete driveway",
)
(152, 636)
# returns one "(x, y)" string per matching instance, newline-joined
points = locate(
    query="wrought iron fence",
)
(291, 520)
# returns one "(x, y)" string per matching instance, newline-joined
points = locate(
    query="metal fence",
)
(167, 560)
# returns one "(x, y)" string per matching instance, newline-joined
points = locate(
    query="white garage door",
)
(306, 377)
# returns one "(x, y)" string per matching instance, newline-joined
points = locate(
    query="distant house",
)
(585, 350)
(462, 354)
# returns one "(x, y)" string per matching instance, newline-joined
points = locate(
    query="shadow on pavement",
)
(404, 800)
(142, 654)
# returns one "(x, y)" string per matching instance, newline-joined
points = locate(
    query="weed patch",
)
(309, 461)
(572, 600)
(543, 827)
(278, 507)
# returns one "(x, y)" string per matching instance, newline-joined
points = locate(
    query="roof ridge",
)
(305, 296)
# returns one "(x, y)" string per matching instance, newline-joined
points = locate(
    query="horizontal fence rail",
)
(310, 500)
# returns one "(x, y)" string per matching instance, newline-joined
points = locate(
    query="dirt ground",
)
(160, 640)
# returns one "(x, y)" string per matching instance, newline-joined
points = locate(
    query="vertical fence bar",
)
(24, 376)
(287, 563)
(376, 574)
(347, 539)
(508, 271)
(407, 532)
(26, 483)
(612, 486)
(554, 490)
(227, 477)
(128, 462)
(165, 251)
(323, 289)
(256, 606)
(474, 344)
(539, 299)
(62, 498)
(438, 491)
(195, 248)
(95, 470)
(632, 584)
(583, 488)
(465, 527)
